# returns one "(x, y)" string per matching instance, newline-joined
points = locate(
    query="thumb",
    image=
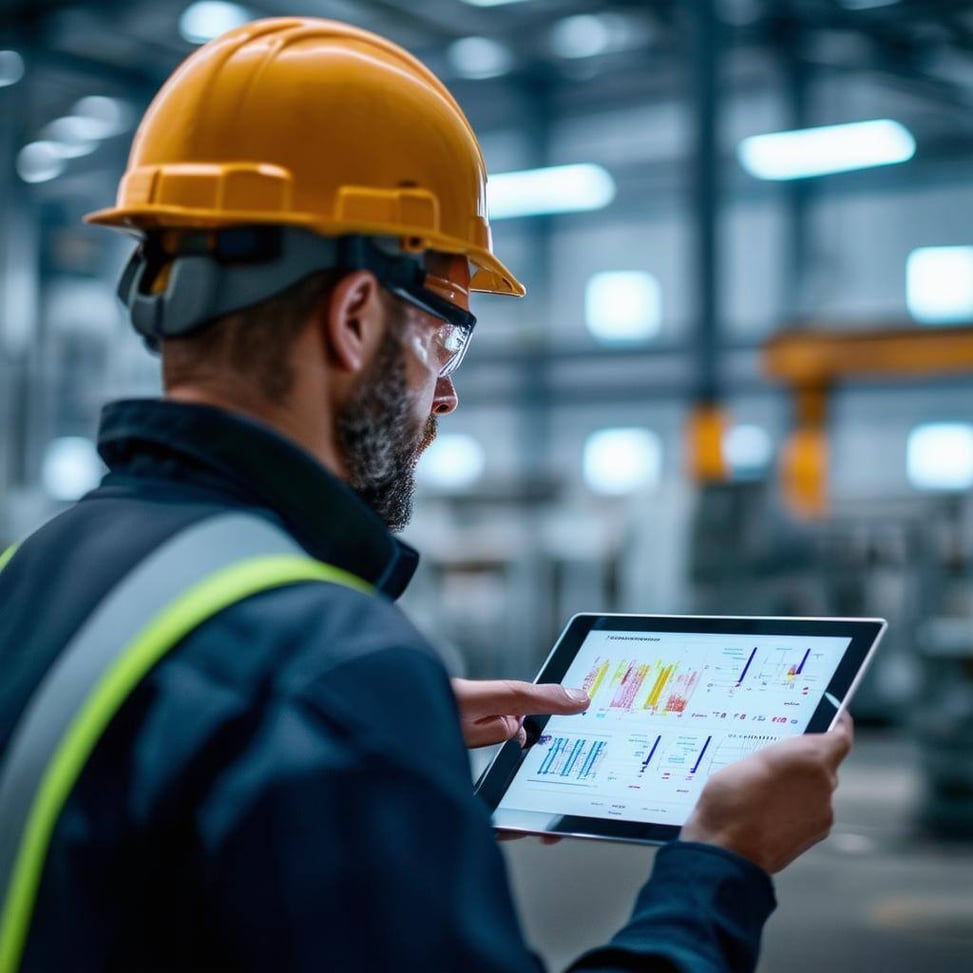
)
(840, 738)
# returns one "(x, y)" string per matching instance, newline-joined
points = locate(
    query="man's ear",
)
(351, 320)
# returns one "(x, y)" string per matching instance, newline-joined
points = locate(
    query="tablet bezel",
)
(864, 633)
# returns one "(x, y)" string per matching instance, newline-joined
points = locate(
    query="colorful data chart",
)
(786, 669)
(662, 687)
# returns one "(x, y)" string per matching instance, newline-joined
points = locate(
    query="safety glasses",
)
(438, 297)
(407, 278)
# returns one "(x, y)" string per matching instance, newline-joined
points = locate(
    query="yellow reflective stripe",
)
(165, 630)
(7, 555)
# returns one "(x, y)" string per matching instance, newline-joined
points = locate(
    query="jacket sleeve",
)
(702, 911)
(347, 836)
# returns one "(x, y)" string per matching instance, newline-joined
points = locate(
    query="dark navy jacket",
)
(288, 789)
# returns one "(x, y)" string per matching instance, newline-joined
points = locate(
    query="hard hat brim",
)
(491, 276)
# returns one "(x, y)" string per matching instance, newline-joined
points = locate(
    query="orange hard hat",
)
(308, 123)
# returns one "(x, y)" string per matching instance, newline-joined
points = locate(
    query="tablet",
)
(673, 699)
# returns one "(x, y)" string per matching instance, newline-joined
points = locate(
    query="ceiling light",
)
(830, 148)
(103, 117)
(556, 189)
(618, 461)
(40, 161)
(453, 462)
(584, 35)
(491, 3)
(939, 456)
(71, 467)
(11, 68)
(203, 21)
(623, 305)
(479, 58)
(939, 284)
(71, 135)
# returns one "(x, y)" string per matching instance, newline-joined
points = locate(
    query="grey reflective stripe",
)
(177, 565)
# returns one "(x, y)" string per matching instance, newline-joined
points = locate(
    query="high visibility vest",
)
(199, 572)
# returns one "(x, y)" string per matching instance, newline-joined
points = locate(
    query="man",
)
(287, 789)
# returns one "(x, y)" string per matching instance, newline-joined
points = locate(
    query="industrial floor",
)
(877, 896)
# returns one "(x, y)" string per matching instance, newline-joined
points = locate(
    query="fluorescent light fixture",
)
(620, 461)
(939, 284)
(11, 68)
(201, 22)
(40, 161)
(830, 148)
(70, 468)
(747, 449)
(623, 305)
(71, 136)
(588, 35)
(479, 58)
(939, 456)
(556, 189)
(453, 462)
(491, 3)
(584, 35)
(103, 117)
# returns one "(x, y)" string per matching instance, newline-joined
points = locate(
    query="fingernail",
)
(578, 695)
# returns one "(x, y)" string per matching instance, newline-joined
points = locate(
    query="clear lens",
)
(455, 340)
(452, 338)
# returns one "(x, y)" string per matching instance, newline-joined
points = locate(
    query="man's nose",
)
(445, 400)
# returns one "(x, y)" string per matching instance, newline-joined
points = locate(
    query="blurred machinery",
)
(813, 361)
(943, 718)
(910, 561)
(748, 556)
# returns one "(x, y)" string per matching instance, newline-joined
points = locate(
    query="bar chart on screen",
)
(667, 685)
(668, 766)
(572, 759)
(668, 709)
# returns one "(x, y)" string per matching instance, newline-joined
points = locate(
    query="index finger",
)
(522, 698)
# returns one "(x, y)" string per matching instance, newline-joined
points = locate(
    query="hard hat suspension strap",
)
(173, 289)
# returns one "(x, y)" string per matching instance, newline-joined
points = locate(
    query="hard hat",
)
(315, 125)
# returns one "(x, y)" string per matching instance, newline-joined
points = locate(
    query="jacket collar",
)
(236, 456)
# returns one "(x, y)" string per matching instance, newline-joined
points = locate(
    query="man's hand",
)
(775, 804)
(492, 711)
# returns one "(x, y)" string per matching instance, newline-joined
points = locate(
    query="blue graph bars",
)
(648, 759)
(747, 666)
(699, 759)
(567, 757)
(593, 754)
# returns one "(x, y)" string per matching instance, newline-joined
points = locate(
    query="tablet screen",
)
(668, 709)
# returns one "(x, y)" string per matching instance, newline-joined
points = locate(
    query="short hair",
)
(254, 343)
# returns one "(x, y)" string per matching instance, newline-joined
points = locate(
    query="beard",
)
(380, 438)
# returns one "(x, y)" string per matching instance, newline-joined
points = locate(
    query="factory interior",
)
(741, 382)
